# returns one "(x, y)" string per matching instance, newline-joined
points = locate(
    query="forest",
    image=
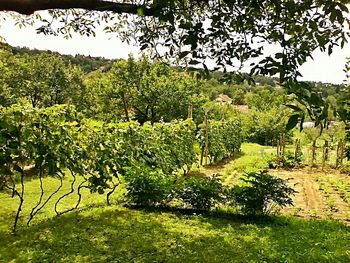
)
(137, 161)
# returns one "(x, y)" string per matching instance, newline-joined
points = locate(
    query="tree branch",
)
(28, 7)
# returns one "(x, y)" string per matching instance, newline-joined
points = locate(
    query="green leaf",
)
(183, 54)
(17, 168)
(296, 108)
(292, 122)
(193, 62)
(140, 11)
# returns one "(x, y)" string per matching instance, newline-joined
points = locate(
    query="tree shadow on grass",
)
(116, 234)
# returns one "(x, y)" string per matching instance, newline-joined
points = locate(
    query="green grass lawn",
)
(101, 233)
(116, 234)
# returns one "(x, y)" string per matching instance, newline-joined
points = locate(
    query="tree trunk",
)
(125, 105)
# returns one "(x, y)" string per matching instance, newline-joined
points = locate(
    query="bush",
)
(288, 160)
(347, 152)
(200, 192)
(261, 193)
(148, 188)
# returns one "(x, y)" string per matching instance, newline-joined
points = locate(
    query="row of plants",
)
(223, 138)
(341, 186)
(257, 193)
(326, 191)
(60, 141)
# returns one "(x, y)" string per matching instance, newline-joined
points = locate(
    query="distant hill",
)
(90, 63)
(87, 63)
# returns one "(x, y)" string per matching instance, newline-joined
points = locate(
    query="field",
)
(315, 230)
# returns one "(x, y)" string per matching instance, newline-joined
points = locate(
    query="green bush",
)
(288, 160)
(200, 192)
(261, 193)
(224, 137)
(148, 188)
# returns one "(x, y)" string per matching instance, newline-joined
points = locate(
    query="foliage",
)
(42, 79)
(100, 154)
(148, 187)
(263, 98)
(105, 233)
(261, 193)
(224, 137)
(154, 91)
(144, 91)
(200, 192)
(238, 34)
(288, 160)
(227, 39)
(265, 127)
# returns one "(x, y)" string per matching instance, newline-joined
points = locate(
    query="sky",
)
(323, 68)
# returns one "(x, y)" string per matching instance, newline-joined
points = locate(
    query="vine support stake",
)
(206, 148)
(190, 110)
(313, 157)
(325, 154)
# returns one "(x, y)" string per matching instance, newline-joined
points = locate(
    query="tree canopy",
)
(228, 32)
(232, 34)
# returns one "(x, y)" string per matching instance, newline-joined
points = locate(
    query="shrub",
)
(288, 160)
(347, 152)
(200, 192)
(261, 193)
(148, 188)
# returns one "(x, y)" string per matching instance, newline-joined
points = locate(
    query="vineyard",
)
(137, 161)
(99, 156)
(159, 234)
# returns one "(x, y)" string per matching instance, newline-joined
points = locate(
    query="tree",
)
(231, 33)
(217, 29)
(44, 80)
(124, 77)
(5, 77)
(152, 91)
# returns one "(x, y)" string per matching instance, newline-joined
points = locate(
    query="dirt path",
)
(311, 200)
(308, 200)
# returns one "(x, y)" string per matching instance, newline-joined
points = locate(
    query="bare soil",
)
(311, 200)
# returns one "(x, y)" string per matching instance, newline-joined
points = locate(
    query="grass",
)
(252, 158)
(101, 233)
(342, 187)
(116, 234)
(329, 199)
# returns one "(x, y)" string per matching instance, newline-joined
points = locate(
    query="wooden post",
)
(190, 110)
(283, 143)
(202, 154)
(278, 153)
(313, 152)
(340, 153)
(325, 154)
(337, 158)
(206, 149)
(297, 150)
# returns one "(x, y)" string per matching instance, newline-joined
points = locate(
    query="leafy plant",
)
(148, 188)
(288, 160)
(261, 193)
(200, 192)
(224, 139)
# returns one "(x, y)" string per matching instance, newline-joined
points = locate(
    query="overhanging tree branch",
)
(28, 7)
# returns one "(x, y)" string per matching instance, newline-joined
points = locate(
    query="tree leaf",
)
(292, 122)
